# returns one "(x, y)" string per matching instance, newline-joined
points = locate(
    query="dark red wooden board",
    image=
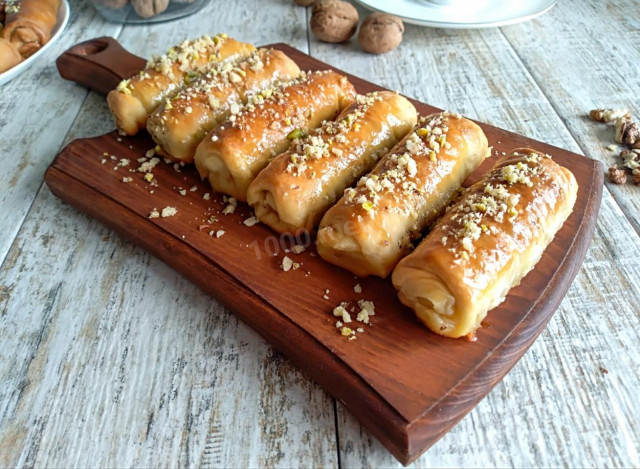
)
(407, 385)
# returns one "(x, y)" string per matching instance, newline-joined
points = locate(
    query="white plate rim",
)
(462, 25)
(61, 24)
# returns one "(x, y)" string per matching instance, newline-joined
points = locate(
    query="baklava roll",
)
(182, 121)
(371, 227)
(9, 55)
(28, 24)
(137, 97)
(484, 245)
(234, 153)
(297, 187)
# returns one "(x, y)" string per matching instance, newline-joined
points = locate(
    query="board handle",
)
(99, 64)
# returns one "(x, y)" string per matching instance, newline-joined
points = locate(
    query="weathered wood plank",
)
(598, 44)
(36, 111)
(571, 413)
(571, 401)
(111, 358)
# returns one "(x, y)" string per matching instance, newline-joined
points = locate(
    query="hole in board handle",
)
(88, 48)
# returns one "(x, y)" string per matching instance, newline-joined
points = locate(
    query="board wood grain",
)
(407, 385)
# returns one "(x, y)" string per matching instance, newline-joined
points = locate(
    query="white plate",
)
(63, 19)
(465, 14)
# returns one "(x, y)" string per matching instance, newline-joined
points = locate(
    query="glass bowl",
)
(146, 11)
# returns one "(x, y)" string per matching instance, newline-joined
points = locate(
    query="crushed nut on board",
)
(297, 249)
(168, 212)
(287, 264)
(231, 206)
(250, 221)
(154, 214)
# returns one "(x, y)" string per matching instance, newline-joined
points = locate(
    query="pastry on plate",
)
(29, 23)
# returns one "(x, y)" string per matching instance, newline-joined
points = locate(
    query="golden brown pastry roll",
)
(134, 99)
(182, 121)
(29, 23)
(371, 228)
(9, 55)
(235, 152)
(297, 187)
(484, 245)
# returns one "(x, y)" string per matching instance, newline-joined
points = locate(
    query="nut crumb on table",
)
(617, 175)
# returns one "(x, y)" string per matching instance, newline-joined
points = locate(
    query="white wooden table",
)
(110, 358)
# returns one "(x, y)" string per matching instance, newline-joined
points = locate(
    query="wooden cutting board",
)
(407, 385)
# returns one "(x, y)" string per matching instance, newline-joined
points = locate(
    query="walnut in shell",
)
(149, 8)
(380, 33)
(333, 20)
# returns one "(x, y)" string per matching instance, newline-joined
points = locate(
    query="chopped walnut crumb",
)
(251, 221)
(206, 196)
(219, 233)
(168, 212)
(631, 158)
(287, 264)
(628, 132)
(346, 331)
(357, 288)
(127, 179)
(154, 214)
(147, 166)
(609, 115)
(231, 206)
(297, 249)
(617, 175)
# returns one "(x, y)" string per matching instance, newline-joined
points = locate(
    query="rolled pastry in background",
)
(371, 227)
(182, 121)
(9, 55)
(492, 236)
(137, 97)
(29, 24)
(297, 187)
(233, 154)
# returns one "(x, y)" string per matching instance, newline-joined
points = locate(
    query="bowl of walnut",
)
(146, 11)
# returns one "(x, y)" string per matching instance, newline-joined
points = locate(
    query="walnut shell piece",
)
(149, 8)
(380, 33)
(333, 20)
